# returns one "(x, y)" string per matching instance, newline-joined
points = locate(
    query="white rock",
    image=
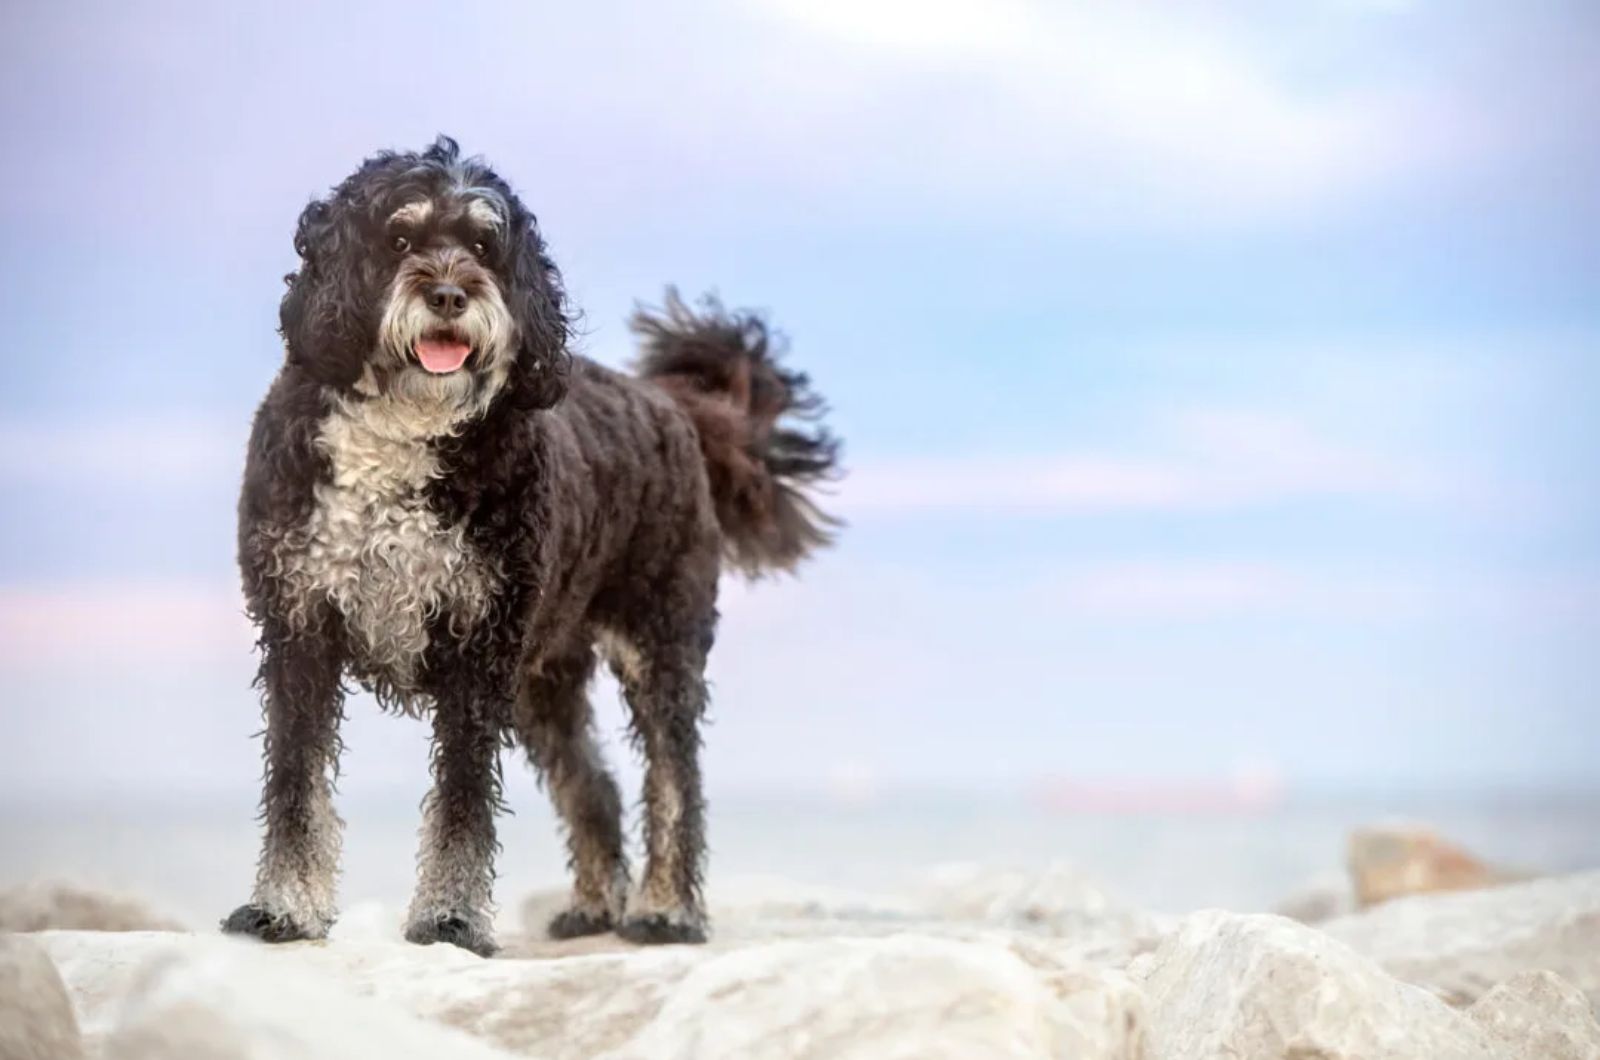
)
(1320, 899)
(370, 920)
(1462, 945)
(759, 908)
(36, 1020)
(1226, 985)
(148, 996)
(974, 962)
(903, 996)
(1012, 897)
(959, 901)
(1057, 901)
(896, 996)
(754, 898)
(1539, 1016)
(55, 906)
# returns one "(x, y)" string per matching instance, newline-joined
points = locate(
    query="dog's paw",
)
(576, 923)
(456, 930)
(657, 929)
(257, 922)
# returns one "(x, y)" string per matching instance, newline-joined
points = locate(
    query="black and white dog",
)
(445, 506)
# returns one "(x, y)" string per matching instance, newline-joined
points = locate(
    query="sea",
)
(192, 856)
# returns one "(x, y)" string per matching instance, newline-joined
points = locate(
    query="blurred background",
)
(1217, 382)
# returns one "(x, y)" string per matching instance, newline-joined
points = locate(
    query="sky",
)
(1216, 378)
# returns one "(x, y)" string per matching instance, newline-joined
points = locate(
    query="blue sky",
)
(1217, 382)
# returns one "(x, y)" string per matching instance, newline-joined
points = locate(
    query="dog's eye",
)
(481, 249)
(400, 244)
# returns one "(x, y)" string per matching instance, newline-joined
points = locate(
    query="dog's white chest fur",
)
(374, 548)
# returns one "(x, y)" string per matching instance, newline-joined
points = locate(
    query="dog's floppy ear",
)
(538, 304)
(323, 316)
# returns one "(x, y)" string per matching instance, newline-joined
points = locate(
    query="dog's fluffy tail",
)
(722, 368)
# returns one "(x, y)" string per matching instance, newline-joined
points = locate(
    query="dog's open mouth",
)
(442, 354)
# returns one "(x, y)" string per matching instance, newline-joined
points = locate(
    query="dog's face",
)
(424, 279)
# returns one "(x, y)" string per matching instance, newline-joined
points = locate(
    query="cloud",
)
(151, 623)
(1012, 484)
(1204, 590)
(1205, 459)
(1216, 459)
(1163, 114)
(168, 451)
(175, 621)
(845, 111)
(933, 676)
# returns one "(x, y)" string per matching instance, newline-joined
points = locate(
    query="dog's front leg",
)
(303, 702)
(455, 867)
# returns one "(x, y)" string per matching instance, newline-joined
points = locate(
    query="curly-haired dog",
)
(443, 504)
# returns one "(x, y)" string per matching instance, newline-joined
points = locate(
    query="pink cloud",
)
(1212, 460)
(121, 623)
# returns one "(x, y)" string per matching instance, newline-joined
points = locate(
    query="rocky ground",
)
(972, 963)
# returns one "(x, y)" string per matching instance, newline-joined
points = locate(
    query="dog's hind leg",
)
(555, 723)
(453, 901)
(294, 892)
(666, 692)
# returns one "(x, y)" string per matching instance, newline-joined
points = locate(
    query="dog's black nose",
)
(447, 300)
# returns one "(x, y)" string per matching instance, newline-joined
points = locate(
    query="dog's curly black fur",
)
(443, 504)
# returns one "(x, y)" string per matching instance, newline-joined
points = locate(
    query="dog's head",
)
(424, 279)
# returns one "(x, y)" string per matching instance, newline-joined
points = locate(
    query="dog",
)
(443, 504)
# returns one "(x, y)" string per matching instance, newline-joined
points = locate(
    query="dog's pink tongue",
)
(440, 357)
